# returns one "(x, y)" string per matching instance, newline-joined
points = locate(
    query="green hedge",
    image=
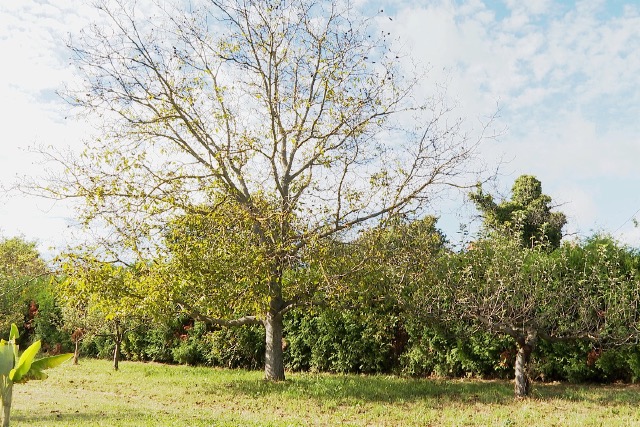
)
(345, 341)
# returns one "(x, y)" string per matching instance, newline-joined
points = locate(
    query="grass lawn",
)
(92, 394)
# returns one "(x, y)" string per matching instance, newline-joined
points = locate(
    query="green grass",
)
(92, 394)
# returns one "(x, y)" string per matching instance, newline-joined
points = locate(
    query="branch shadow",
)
(376, 388)
(92, 417)
(603, 394)
(391, 389)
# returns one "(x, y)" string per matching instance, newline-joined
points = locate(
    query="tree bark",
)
(76, 352)
(526, 344)
(116, 356)
(116, 351)
(273, 360)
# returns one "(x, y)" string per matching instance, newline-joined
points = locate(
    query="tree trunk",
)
(117, 337)
(7, 396)
(525, 348)
(76, 352)
(273, 358)
(116, 355)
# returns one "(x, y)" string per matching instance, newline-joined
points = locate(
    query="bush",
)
(191, 347)
(45, 322)
(241, 347)
(344, 342)
(448, 352)
(100, 347)
(150, 344)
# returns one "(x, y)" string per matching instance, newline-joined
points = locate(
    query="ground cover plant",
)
(148, 394)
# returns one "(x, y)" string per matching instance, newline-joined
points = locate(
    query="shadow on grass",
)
(604, 394)
(127, 417)
(80, 417)
(389, 389)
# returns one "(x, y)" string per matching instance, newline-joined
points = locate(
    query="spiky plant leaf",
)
(14, 335)
(50, 362)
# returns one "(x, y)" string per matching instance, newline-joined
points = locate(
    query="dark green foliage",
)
(22, 273)
(236, 347)
(300, 340)
(363, 331)
(375, 325)
(191, 347)
(99, 346)
(567, 360)
(151, 344)
(582, 361)
(186, 342)
(45, 322)
(456, 352)
(379, 341)
(527, 213)
(228, 347)
(341, 342)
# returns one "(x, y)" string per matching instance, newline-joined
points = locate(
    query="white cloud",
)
(578, 204)
(34, 65)
(568, 79)
(530, 7)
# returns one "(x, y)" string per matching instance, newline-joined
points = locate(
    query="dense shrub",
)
(376, 340)
(151, 344)
(342, 342)
(191, 347)
(581, 361)
(186, 342)
(43, 321)
(98, 346)
(441, 351)
(242, 347)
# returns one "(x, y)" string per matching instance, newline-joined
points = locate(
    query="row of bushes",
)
(347, 342)
(376, 340)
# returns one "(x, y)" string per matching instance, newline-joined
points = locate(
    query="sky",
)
(564, 75)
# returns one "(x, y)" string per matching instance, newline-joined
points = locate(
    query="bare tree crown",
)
(301, 103)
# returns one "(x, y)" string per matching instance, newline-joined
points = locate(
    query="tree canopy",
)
(528, 213)
(20, 268)
(103, 298)
(20, 258)
(580, 291)
(297, 113)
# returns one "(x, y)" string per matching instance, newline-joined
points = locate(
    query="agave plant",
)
(20, 369)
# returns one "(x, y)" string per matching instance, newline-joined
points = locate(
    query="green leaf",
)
(7, 358)
(14, 335)
(24, 364)
(50, 362)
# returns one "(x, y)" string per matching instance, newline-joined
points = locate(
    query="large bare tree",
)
(299, 113)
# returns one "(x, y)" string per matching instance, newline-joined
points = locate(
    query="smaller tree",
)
(101, 299)
(387, 261)
(528, 213)
(583, 290)
(81, 325)
(373, 277)
(20, 270)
